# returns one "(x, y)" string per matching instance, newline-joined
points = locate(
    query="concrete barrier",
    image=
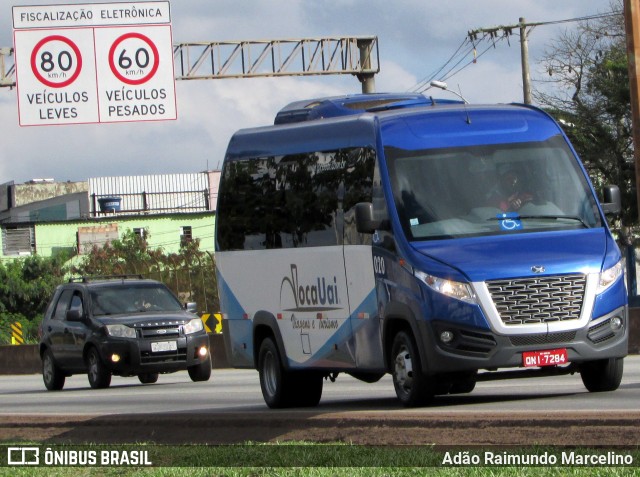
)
(25, 359)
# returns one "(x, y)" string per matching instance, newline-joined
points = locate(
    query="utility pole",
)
(524, 50)
(524, 55)
(632, 27)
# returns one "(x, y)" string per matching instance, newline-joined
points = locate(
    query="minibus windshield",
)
(490, 189)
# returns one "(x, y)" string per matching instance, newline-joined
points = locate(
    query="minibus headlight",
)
(451, 288)
(609, 276)
(193, 326)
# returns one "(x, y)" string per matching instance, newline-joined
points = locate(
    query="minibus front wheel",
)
(412, 386)
(602, 375)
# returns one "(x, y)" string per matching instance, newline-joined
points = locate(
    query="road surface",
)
(229, 409)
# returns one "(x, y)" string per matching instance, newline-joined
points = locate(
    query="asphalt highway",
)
(230, 408)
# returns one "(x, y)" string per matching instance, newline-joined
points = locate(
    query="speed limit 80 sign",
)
(88, 63)
(56, 61)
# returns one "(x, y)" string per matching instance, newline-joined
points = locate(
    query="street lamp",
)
(443, 86)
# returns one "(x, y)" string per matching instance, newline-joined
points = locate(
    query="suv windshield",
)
(122, 299)
(490, 189)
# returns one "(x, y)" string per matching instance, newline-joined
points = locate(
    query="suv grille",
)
(538, 300)
(160, 332)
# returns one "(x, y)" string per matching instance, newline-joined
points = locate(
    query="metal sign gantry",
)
(356, 56)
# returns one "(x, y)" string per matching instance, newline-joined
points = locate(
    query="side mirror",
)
(74, 315)
(612, 203)
(191, 306)
(365, 222)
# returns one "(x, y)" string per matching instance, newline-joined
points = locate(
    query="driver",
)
(509, 194)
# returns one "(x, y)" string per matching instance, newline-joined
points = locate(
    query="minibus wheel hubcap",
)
(404, 369)
(270, 377)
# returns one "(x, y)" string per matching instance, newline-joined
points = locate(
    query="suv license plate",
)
(164, 346)
(552, 357)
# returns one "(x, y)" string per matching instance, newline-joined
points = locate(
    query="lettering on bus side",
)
(379, 266)
(319, 294)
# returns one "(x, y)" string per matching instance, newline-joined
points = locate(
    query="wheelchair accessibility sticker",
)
(509, 221)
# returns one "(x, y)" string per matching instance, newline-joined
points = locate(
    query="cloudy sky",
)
(416, 37)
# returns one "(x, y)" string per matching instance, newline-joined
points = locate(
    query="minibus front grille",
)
(538, 300)
(543, 338)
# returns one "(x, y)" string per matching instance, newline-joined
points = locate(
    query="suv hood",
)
(511, 256)
(147, 319)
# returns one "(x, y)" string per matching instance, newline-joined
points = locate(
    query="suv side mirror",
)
(612, 204)
(74, 315)
(191, 306)
(365, 222)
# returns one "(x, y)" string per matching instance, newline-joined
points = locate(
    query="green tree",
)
(589, 93)
(26, 286)
(190, 272)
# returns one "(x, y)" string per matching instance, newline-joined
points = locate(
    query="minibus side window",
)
(291, 201)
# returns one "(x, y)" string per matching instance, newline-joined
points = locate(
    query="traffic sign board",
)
(88, 63)
(55, 74)
(135, 73)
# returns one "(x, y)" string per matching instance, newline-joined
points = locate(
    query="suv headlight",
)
(121, 331)
(609, 276)
(450, 288)
(193, 326)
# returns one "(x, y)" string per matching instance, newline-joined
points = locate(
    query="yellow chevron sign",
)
(217, 327)
(16, 333)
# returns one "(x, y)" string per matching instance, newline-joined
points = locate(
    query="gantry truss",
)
(356, 56)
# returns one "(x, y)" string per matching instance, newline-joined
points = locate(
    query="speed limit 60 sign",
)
(88, 63)
(133, 74)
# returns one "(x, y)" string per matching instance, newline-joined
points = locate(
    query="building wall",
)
(29, 193)
(163, 231)
(64, 207)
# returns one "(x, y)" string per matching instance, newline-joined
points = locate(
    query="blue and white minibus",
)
(440, 242)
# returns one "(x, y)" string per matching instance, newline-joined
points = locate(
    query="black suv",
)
(120, 325)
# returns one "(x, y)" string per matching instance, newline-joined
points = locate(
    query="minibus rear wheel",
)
(602, 375)
(273, 378)
(411, 385)
(282, 388)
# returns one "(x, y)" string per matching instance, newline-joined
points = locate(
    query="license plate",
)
(552, 357)
(164, 346)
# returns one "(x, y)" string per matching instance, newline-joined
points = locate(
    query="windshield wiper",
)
(551, 217)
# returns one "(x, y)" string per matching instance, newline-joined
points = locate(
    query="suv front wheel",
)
(52, 375)
(99, 375)
(200, 372)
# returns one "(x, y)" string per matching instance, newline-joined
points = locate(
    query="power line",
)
(493, 34)
(430, 76)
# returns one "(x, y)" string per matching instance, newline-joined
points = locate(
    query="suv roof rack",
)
(86, 279)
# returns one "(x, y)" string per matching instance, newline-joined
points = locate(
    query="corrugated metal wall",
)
(153, 194)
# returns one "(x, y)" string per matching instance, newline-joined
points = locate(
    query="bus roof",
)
(348, 105)
(408, 121)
